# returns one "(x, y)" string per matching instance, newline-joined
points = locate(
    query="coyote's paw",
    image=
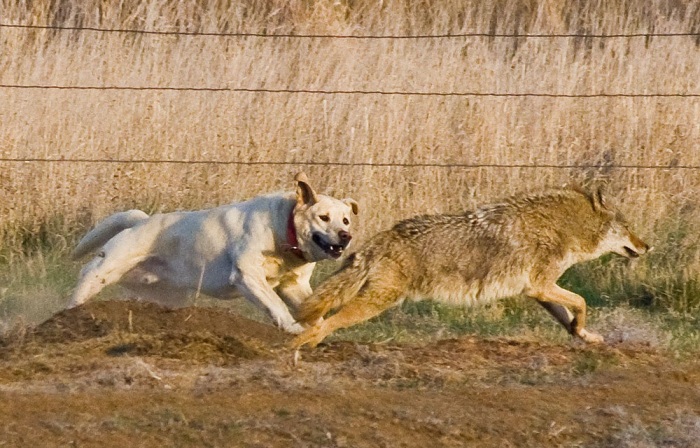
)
(310, 337)
(590, 337)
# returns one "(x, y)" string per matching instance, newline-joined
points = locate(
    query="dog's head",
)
(322, 223)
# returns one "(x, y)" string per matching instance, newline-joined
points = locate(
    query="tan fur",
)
(519, 246)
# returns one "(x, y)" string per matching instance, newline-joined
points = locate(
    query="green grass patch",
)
(427, 320)
(653, 282)
(415, 322)
(36, 285)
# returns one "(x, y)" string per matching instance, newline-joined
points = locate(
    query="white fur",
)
(235, 250)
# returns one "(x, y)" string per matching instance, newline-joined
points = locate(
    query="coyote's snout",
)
(519, 246)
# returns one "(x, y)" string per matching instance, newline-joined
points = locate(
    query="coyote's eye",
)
(325, 218)
(346, 221)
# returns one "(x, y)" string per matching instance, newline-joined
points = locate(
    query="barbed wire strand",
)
(353, 92)
(351, 36)
(347, 164)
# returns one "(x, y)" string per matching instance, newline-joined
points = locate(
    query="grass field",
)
(616, 141)
(113, 373)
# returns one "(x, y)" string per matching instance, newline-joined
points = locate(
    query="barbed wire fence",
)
(346, 164)
(360, 36)
(598, 95)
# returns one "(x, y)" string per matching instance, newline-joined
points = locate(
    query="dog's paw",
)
(293, 328)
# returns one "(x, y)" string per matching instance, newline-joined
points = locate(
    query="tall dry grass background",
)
(49, 204)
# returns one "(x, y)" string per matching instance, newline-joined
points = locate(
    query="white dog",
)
(263, 249)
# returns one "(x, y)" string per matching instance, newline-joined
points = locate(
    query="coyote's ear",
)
(305, 194)
(599, 199)
(353, 205)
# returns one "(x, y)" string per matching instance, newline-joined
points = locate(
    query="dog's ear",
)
(305, 194)
(353, 205)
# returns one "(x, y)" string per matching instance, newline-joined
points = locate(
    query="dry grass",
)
(47, 204)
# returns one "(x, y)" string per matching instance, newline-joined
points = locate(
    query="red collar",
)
(292, 241)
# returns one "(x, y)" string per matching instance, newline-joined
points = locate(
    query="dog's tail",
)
(336, 290)
(106, 230)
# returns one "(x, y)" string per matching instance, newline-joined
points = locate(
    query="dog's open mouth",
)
(631, 252)
(334, 250)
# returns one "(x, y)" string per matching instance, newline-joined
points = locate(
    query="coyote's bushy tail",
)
(106, 230)
(337, 290)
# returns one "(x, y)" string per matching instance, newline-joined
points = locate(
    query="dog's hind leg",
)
(119, 256)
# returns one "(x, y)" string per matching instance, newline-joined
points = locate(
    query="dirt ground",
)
(128, 374)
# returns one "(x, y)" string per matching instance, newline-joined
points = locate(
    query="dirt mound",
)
(108, 329)
(99, 319)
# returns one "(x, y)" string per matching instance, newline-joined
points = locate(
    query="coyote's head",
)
(322, 223)
(617, 237)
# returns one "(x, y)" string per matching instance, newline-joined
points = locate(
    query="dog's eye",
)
(325, 218)
(346, 221)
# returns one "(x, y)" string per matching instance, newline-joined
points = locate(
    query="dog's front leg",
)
(295, 287)
(251, 283)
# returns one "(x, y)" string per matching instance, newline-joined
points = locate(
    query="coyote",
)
(263, 249)
(519, 246)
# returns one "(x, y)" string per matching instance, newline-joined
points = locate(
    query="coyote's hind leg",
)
(381, 292)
